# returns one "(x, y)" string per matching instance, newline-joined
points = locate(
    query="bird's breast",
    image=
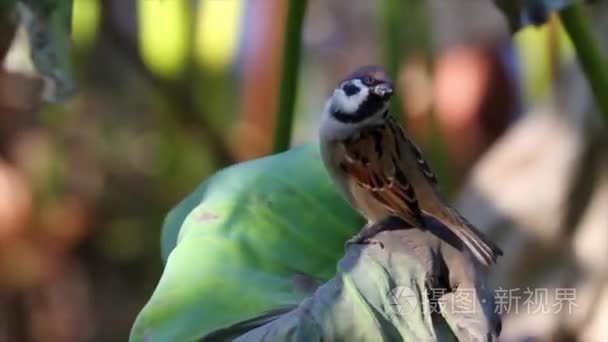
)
(358, 197)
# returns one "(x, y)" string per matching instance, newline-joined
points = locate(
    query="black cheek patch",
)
(370, 106)
(350, 89)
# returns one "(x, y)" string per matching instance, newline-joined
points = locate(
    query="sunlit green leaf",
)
(357, 305)
(236, 243)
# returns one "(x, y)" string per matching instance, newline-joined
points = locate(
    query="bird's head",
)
(363, 95)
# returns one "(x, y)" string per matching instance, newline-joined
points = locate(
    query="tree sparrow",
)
(378, 169)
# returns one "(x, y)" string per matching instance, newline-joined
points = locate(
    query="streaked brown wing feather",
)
(481, 247)
(371, 160)
(397, 130)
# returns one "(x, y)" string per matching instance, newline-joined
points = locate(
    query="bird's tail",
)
(484, 250)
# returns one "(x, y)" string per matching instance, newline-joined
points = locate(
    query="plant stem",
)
(589, 54)
(289, 74)
(393, 15)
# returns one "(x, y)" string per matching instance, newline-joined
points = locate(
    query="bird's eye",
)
(368, 80)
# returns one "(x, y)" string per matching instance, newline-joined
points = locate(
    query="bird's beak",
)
(384, 90)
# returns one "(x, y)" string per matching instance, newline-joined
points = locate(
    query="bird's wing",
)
(400, 136)
(371, 161)
(482, 248)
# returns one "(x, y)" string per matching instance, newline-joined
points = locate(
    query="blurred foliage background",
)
(171, 91)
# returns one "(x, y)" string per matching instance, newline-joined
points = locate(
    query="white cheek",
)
(349, 104)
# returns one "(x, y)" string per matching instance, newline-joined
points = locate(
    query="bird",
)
(379, 170)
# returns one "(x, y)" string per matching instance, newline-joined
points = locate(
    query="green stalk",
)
(393, 17)
(589, 54)
(289, 74)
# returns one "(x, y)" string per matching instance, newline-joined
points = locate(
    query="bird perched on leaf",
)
(378, 169)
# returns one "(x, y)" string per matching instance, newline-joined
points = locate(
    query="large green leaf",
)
(235, 245)
(356, 304)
